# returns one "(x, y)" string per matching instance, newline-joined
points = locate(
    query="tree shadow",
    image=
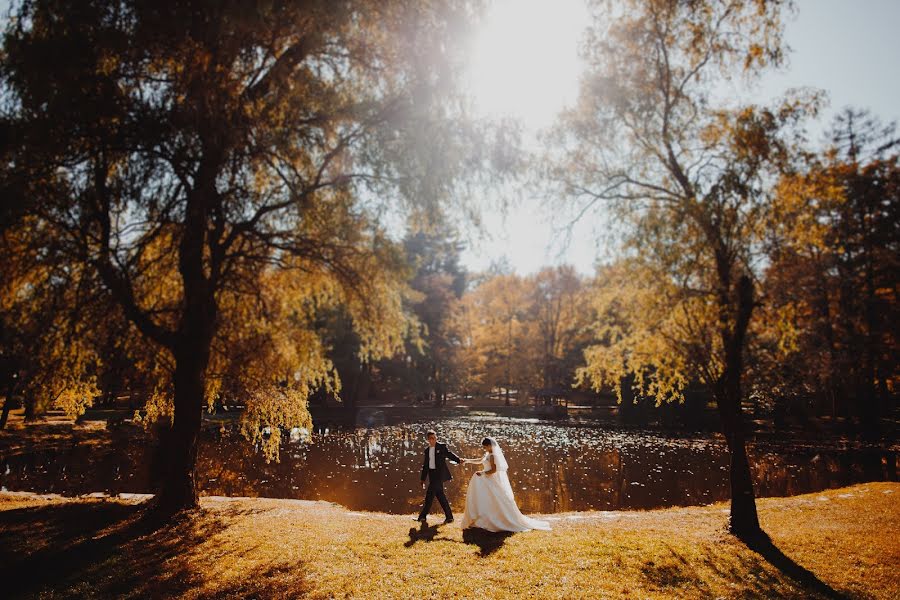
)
(106, 549)
(488, 542)
(762, 544)
(680, 573)
(676, 572)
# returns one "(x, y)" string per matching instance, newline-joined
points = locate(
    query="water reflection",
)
(553, 468)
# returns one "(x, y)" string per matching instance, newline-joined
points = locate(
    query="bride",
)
(489, 501)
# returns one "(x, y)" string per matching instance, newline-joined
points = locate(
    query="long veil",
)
(499, 460)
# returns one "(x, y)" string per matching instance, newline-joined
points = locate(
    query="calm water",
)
(553, 467)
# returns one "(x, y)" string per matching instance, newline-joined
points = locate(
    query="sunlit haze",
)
(525, 59)
(525, 65)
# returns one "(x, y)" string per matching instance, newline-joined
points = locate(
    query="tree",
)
(497, 304)
(521, 333)
(48, 336)
(440, 282)
(197, 156)
(833, 252)
(689, 183)
(560, 319)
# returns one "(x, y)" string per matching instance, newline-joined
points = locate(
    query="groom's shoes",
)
(448, 520)
(421, 519)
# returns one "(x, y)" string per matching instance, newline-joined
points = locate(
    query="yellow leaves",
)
(271, 352)
(801, 206)
(650, 331)
(64, 378)
(76, 395)
(780, 323)
(107, 64)
(271, 409)
(159, 406)
(56, 353)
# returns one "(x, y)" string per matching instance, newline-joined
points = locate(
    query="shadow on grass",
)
(488, 542)
(763, 545)
(81, 548)
(673, 572)
(114, 550)
(280, 581)
(425, 533)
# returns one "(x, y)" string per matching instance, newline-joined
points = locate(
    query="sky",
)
(848, 48)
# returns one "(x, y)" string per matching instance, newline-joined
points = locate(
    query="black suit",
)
(436, 478)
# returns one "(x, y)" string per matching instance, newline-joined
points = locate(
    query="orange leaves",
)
(526, 332)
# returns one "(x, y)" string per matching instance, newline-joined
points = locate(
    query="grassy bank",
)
(838, 542)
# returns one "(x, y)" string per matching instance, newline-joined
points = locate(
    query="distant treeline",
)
(826, 343)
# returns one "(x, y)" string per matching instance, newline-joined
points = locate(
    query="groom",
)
(434, 469)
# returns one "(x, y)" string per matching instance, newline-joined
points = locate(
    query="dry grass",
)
(834, 543)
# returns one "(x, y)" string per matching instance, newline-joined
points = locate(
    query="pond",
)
(553, 467)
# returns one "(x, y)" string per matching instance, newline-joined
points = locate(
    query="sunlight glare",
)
(524, 59)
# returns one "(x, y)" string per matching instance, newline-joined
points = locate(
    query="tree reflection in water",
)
(553, 467)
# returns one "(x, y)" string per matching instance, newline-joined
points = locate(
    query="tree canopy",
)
(220, 170)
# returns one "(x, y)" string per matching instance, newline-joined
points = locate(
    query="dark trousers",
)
(435, 488)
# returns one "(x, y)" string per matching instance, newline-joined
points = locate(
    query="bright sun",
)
(524, 59)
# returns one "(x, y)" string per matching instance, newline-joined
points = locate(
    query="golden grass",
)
(838, 542)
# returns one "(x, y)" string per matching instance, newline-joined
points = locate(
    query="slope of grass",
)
(836, 543)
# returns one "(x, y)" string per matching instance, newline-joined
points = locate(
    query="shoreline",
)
(836, 543)
(29, 497)
(80, 459)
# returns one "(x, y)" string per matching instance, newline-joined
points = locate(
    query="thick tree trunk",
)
(744, 521)
(7, 402)
(191, 349)
(30, 408)
(179, 488)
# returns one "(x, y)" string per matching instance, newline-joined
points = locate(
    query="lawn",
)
(836, 543)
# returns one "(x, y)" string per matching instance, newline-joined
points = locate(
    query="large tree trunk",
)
(743, 521)
(179, 486)
(7, 402)
(30, 408)
(192, 348)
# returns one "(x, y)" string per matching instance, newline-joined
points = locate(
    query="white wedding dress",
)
(490, 503)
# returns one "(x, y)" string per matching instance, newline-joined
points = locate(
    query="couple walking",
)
(490, 503)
